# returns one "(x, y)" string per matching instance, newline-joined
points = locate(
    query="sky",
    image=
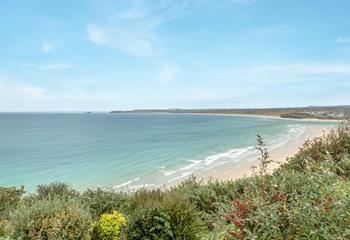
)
(102, 55)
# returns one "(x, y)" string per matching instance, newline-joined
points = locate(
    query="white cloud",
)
(18, 95)
(244, 2)
(47, 46)
(127, 41)
(137, 47)
(168, 73)
(78, 83)
(132, 13)
(288, 72)
(28, 91)
(56, 66)
(132, 31)
(343, 40)
(199, 94)
(96, 35)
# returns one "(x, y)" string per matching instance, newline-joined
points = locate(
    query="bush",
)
(206, 196)
(109, 226)
(335, 146)
(9, 199)
(55, 190)
(101, 202)
(145, 198)
(171, 217)
(51, 219)
(308, 198)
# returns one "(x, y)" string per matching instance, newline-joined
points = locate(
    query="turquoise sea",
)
(127, 150)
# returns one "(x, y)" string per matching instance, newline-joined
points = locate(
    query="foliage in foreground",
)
(307, 198)
(109, 226)
(54, 218)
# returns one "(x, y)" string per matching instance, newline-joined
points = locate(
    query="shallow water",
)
(126, 150)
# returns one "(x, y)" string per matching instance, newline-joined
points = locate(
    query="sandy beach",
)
(266, 116)
(280, 154)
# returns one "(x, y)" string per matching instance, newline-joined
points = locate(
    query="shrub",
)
(9, 199)
(55, 190)
(145, 198)
(171, 217)
(307, 198)
(109, 226)
(335, 146)
(51, 219)
(211, 198)
(101, 202)
(184, 219)
(343, 167)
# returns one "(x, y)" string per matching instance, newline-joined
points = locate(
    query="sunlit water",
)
(126, 150)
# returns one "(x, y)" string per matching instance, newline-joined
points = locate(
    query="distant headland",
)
(311, 112)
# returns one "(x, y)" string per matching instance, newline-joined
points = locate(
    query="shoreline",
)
(242, 168)
(234, 171)
(267, 116)
(264, 116)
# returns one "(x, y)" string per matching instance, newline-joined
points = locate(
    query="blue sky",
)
(97, 55)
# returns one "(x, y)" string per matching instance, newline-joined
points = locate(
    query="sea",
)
(121, 151)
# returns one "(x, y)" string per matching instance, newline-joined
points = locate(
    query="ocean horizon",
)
(129, 150)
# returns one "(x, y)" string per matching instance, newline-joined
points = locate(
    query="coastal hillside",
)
(306, 198)
(311, 112)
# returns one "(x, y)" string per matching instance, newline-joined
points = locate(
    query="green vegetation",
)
(307, 198)
(52, 218)
(109, 225)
